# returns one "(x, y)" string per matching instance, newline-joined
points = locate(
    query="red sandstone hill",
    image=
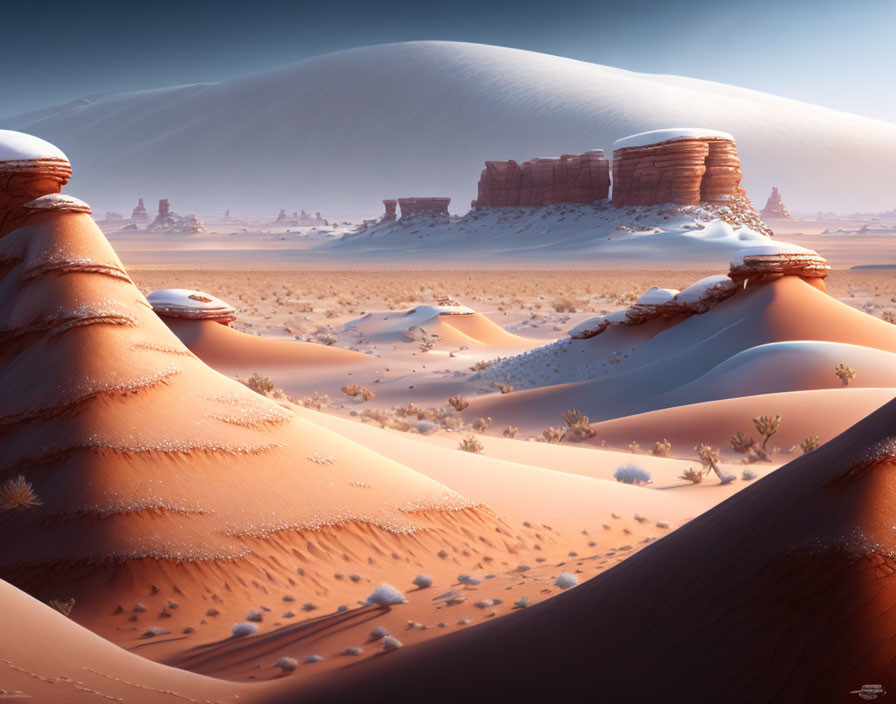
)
(784, 592)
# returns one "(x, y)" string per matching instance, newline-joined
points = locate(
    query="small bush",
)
(691, 475)
(355, 391)
(315, 400)
(505, 388)
(662, 448)
(767, 426)
(17, 493)
(632, 474)
(741, 443)
(748, 475)
(311, 659)
(458, 403)
(386, 595)
(889, 316)
(422, 581)
(480, 425)
(553, 434)
(244, 629)
(470, 444)
(511, 431)
(287, 664)
(566, 580)
(390, 643)
(845, 372)
(260, 384)
(578, 426)
(810, 443)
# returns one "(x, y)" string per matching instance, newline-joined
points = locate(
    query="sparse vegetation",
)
(511, 431)
(471, 444)
(767, 426)
(17, 493)
(484, 364)
(748, 475)
(356, 391)
(260, 384)
(632, 474)
(741, 443)
(691, 475)
(315, 401)
(458, 403)
(553, 435)
(505, 388)
(889, 316)
(578, 426)
(480, 425)
(63, 607)
(810, 443)
(845, 372)
(386, 595)
(710, 458)
(662, 448)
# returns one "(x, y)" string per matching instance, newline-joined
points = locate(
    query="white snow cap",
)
(698, 291)
(588, 328)
(186, 303)
(656, 296)
(769, 250)
(59, 202)
(643, 139)
(433, 311)
(18, 146)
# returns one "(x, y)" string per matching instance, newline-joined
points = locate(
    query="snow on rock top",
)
(700, 290)
(427, 311)
(643, 139)
(60, 203)
(18, 146)
(770, 249)
(656, 296)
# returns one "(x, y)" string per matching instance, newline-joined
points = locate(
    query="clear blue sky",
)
(839, 53)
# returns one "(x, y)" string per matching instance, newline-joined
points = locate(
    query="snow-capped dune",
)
(342, 131)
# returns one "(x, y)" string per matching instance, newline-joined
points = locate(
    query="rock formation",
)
(29, 168)
(781, 259)
(570, 178)
(140, 213)
(774, 206)
(682, 166)
(423, 206)
(166, 221)
(390, 204)
(282, 216)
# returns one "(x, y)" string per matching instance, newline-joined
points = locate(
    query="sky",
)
(836, 53)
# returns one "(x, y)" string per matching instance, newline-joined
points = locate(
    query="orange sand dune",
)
(221, 346)
(825, 412)
(45, 657)
(483, 331)
(784, 592)
(160, 479)
(685, 363)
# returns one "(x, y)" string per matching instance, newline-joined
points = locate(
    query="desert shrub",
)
(259, 384)
(635, 448)
(287, 664)
(244, 629)
(480, 425)
(470, 444)
(511, 431)
(427, 345)
(632, 474)
(484, 364)
(553, 434)
(578, 426)
(63, 607)
(741, 443)
(386, 595)
(845, 372)
(505, 388)
(889, 316)
(390, 643)
(566, 580)
(748, 475)
(458, 403)
(767, 426)
(17, 493)
(355, 391)
(810, 443)
(422, 581)
(662, 448)
(564, 305)
(710, 458)
(315, 400)
(691, 475)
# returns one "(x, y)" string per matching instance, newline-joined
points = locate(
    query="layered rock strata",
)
(774, 206)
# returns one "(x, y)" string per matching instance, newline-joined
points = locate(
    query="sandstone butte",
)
(570, 178)
(774, 206)
(685, 166)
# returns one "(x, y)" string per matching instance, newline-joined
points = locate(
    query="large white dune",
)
(342, 131)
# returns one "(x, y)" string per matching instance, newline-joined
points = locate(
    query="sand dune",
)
(781, 593)
(161, 479)
(733, 350)
(223, 347)
(456, 326)
(45, 657)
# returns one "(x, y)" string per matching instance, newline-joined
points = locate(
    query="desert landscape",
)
(622, 429)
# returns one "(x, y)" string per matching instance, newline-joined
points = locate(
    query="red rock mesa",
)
(570, 178)
(389, 204)
(428, 206)
(682, 166)
(140, 213)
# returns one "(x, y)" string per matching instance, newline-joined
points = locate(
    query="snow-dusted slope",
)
(341, 131)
